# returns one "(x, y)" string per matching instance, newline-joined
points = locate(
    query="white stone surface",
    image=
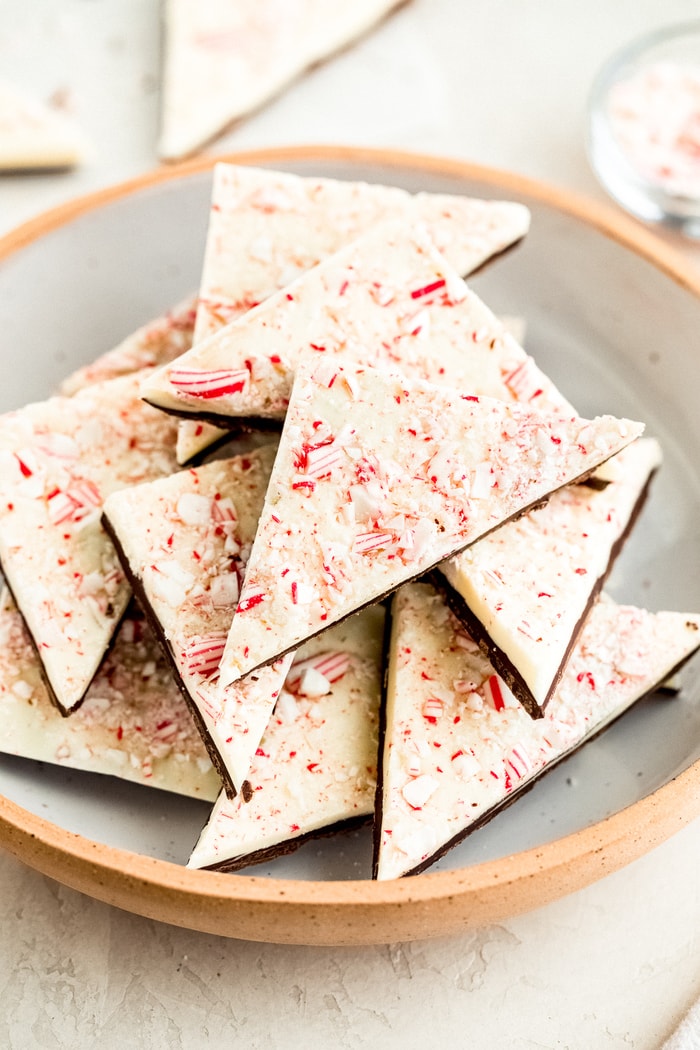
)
(614, 966)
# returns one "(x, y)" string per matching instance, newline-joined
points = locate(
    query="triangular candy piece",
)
(183, 542)
(59, 460)
(224, 60)
(457, 746)
(268, 227)
(133, 723)
(315, 770)
(378, 479)
(524, 591)
(389, 300)
(151, 346)
(33, 136)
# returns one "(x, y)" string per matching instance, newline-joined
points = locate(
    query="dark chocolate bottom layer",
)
(53, 697)
(286, 847)
(157, 628)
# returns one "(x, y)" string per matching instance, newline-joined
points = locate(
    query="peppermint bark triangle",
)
(457, 747)
(389, 300)
(59, 460)
(315, 769)
(183, 542)
(376, 481)
(223, 60)
(524, 591)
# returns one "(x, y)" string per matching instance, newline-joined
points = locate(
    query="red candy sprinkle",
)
(432, 709)
(250, 601)
(26, 472)
(319, 460)
(492, 688)
(428, 288)
(74, 504)
(523, 381)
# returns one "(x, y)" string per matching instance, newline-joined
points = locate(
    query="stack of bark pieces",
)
(388, 601)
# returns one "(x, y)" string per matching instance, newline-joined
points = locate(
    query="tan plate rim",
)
(361, 911)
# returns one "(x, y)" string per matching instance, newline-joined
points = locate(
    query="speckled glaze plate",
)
(613, 316)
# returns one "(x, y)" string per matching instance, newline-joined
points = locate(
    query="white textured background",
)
(504, 83)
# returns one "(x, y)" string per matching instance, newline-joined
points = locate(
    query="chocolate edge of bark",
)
(286, 846)
(212, 451)
(615, 552)
(500, 659)
(381, 739)
(495, 256)
(64, 711)
(157, 628)
(242, 424)
(540, 501)
(486, 817)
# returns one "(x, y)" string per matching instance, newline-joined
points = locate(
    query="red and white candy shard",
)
(316, 764)
(446, 772)
(153, 345)
(133, 723)
(225, 60)
(421, 474)
(186, 539)
(266, 228)
(389, 300)
(529, 584)
(59, 460)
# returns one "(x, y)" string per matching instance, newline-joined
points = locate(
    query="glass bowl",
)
(644, 127)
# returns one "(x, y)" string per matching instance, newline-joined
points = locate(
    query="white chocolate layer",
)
(186, 540)
(266, 228)
(59, 460)
(529, 583)
(376, 480)
(389, 300)
(34, 136)
(458, 744)
(133, 724)
(223, 60)
(151, 346)
(316, 765)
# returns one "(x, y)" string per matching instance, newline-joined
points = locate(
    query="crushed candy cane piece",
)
(208, 384)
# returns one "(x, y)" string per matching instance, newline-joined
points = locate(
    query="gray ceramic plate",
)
(613, 318)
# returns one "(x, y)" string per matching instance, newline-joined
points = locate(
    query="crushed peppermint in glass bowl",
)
(644, 127)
